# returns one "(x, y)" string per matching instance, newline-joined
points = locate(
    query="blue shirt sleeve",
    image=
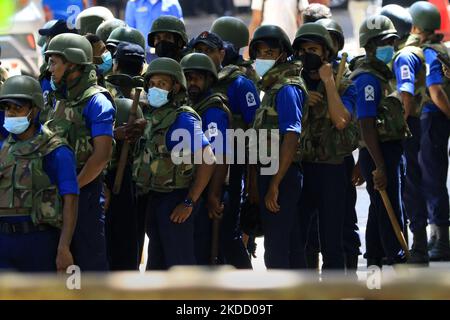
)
(243, 98)
(3, 132)
(60, 166)
(290, 100)
(368, 96)
(434, 73)
(405, 68)
(192, 127)
(215, 124)
(99, 115)
(130, 18)
(348, 98)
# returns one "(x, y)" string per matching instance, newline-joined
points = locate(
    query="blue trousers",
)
(433, 161)
(88, 242)
(324, 195)
(170, 243)
(281, 229)
(380, 237)
(32, 252)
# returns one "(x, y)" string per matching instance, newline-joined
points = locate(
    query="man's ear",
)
(176, 88)
(222, 55)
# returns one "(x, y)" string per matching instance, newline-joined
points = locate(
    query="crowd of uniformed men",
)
(63, 137)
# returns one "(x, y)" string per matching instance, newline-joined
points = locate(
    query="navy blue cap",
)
(58, 28)
(129, 51)
(211, 39)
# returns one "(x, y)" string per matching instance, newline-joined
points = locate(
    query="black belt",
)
(23, 227)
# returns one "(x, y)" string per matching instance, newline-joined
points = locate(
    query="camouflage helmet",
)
(73, 47)
(21, 87)
(47, 25)
(274, 33)
(125, 34)
(233, 30)
(313, 32)
(165, 66)
(335, 29)
(199, 62)
(376, 26)
(123, 108)
(400, 17)
(108, 26)
(425, 15)
(89, 19)
(169, 24)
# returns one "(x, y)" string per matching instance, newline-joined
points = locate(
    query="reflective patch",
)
(251, 101)
(369, 93)
(405, 73)
(212, 130)
(427, 68)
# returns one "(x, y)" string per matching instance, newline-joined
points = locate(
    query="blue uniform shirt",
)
(99, 116)
(368, 96)
(348, 98)
(214, 122)
(290, 100)
(3, 132)
(190, 123)
(405, 68)
(243, 98)
(434, 75)
(63, 9)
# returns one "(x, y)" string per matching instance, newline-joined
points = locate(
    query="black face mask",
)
(311, 61)
(167, 49)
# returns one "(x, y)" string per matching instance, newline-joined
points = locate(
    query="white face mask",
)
(157, 97)
(262, 66)
(17, 125)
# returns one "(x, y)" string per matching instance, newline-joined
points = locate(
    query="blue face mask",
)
(17, 125)
(157, 97)
(107, 63)
(385, 53)
(262, 66)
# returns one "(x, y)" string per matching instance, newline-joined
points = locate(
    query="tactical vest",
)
(440, 48)
(247, 68)
(266, 116)
(390, 122)
(320, 140)
(67, 120)
(25, 188)
(226, 77)
(153, 168)
(216, 100)
(419, 83)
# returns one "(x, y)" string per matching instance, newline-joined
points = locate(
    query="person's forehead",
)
(310, 44)
(204, 46)
(160, 77)
(194, 74)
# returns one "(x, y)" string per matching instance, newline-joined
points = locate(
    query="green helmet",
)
(75, 48)
(108, 26)
(233, 30)
(199, 62)
(335, 29)
(47, 25)
(89, 19)
(425, 15)
(123, 108)
(313, 32)
(126, 34)
(21, 87)
(165, 66)
(400, 17)
(374, 27)
(274, 33)
(167, 24)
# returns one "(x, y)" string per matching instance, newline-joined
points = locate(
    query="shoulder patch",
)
(369, 93)
(405, 73)
(251, 100)
(212, 130)
(427, 68)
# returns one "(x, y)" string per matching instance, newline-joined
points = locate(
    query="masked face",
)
(167, 49)
(157, 97)
(262, 66)
(311, 54)
(14, 122)
(385, 53)
(107, 63)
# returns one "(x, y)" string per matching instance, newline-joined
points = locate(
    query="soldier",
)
(39, 189)
(173, 187)
(102, 58)
(382, 128)
(85, 118)
(408, 65)
(124, 34)
(281, 110)
(325, 141)
(201, 74)
(168, 37)
(89, 19)
(3, 76)
(106, 27)
(243, 101)
(435, 128)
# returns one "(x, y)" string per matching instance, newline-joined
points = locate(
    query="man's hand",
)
(314, 97)
(64, 259)
(326, 72)
(357, 178)
(215, 207)
(379, 179)
(271, 199)
(135, 130)
(181, 213)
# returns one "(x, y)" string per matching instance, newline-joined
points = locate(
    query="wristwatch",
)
(188, 203)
